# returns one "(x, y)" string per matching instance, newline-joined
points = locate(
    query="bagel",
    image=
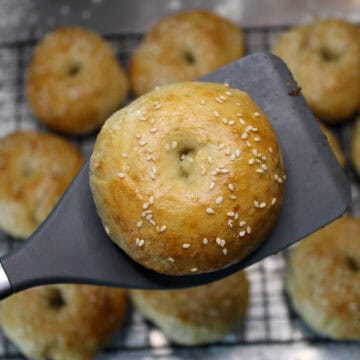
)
(188, 178)
(184, 47)
(355, 146)
(74, 81)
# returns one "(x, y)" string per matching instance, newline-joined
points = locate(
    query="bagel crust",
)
(74, 81)
(188, 178)
(355, 146)
(62, 322)
(323, 279)
(35, 170)
(184, 47)
(325, 59)
(334, 145)
(198, 315)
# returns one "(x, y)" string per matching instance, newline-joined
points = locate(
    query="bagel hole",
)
(55, 299)
(328, 54)
(186, 157)
(73, 69)
(189, 57)
(352, 264)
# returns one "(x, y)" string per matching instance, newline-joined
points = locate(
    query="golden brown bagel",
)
(355, 146)
(188, 178)
(63, 322)
(74, 81)
(325, 59)
(198, 315)
(35, 170)
(323, 279)
(334, 145)
(184, 47)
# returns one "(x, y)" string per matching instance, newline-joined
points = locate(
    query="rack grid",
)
(270, 319)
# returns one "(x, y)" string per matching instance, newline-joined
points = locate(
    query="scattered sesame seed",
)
(231, 122)
(149, 217)
(225, 251)
(151, 200)
(239, 114)
(230, 223)
(230, 214)
(146, 206)
(167, 147)
(236, 216)
(142, 143)
(209, 159)
(242, 223)
(244, 135)
(232, 157)
(152, 121)
(232, 197)
(213, 172)
(255, 152)
(227, 151)
(260, 171)
(264, 166)
(124, 155)
(256, 114)
(270, 150)
(257, 138)
(224, 120)
(157, 105)
(219, 100)
(163, 228)
(256, 203)
(222, 243)
(262, 205)
(141, 242)
(174, 144)
(107, 230)
(202, 102)
(221, 146)
(231, 187)
(242, 122)
(205, 241)
(139, 224)
(171, 259)
(237, 152)
(251, 161)
(153, 130)
(264, 158)
(138, 136)
(228, 93)
(152, 222)
(218, 241)
(248, 128)
(212, 185)
(210, 211)
(226, 84)
(219, 200)
(273, 201)
(121, 175)
(248, 144)
(248, 230)
(186, 246)
(194, 269)
(254, 129)
(224, 171)
(242, 233)
(216, 114)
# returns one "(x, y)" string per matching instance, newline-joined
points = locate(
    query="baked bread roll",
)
(334, 145)
(63, 322)
(355, 146)
(74, 81)
(184, 47)
(323, 279)
(198, 315)
(188, 178)
(35, 170)
(325, 59)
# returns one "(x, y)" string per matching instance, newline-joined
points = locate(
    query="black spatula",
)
(72, 247)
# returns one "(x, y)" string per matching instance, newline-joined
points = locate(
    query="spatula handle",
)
(5, 286)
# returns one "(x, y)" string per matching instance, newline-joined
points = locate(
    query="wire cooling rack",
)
(270, 320)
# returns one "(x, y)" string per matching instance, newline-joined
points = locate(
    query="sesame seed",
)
(224, 171)
(139, 224)
(254, 129)
(167, 147)
(222, 97)
(209, 159)
(212, 185)
(138, 136)
(157, 105)
(237, 152)
(264, 166)
(232, 157)
(257, 138)
(221, 146)
(146, 206)
(256, 114)
(107, 230)
(236, 216)
(219, 100)
(174, 144)
(219, 200)
(152, 121)
(227, 151)
(222, 243)
(256, 203)
(202, 102)
(205, 241)
(152, 222)
(149, 217)
(218, 241)
(225, 251)
(231, 122)
(121, 175)
(216, 114)
(248, 230)
(242, 233)
(124, 155)
(248, 144)
(228, 93)
(255, 152)
(225, 121)
(210, 211)
(251, 161)
(171, 259)
(264, 158)
(153, 130)
(232, 197)
(242, 223)
(142, 143)
(270, 150)
(244, 135)
(151, 200)
(186, 246)
(239, 114)
(230, 223)
(231, 187)
(226, 84)
(242, 121)
(163, 228)
(230, 214)
(273, 201)
(260, 171)
(194, 269)
(141, 243)
(248, 128)
(262, 205)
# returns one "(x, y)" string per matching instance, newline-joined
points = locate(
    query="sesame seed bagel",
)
(323, 279)
(184, 47)
(35, 170)
(334, 145)
(188, 178)
(63, 322)
(355, 146)
(325, 59)
(74, 81)
(198, 315)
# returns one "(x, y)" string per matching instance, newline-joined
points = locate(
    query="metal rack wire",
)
(270, 319)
